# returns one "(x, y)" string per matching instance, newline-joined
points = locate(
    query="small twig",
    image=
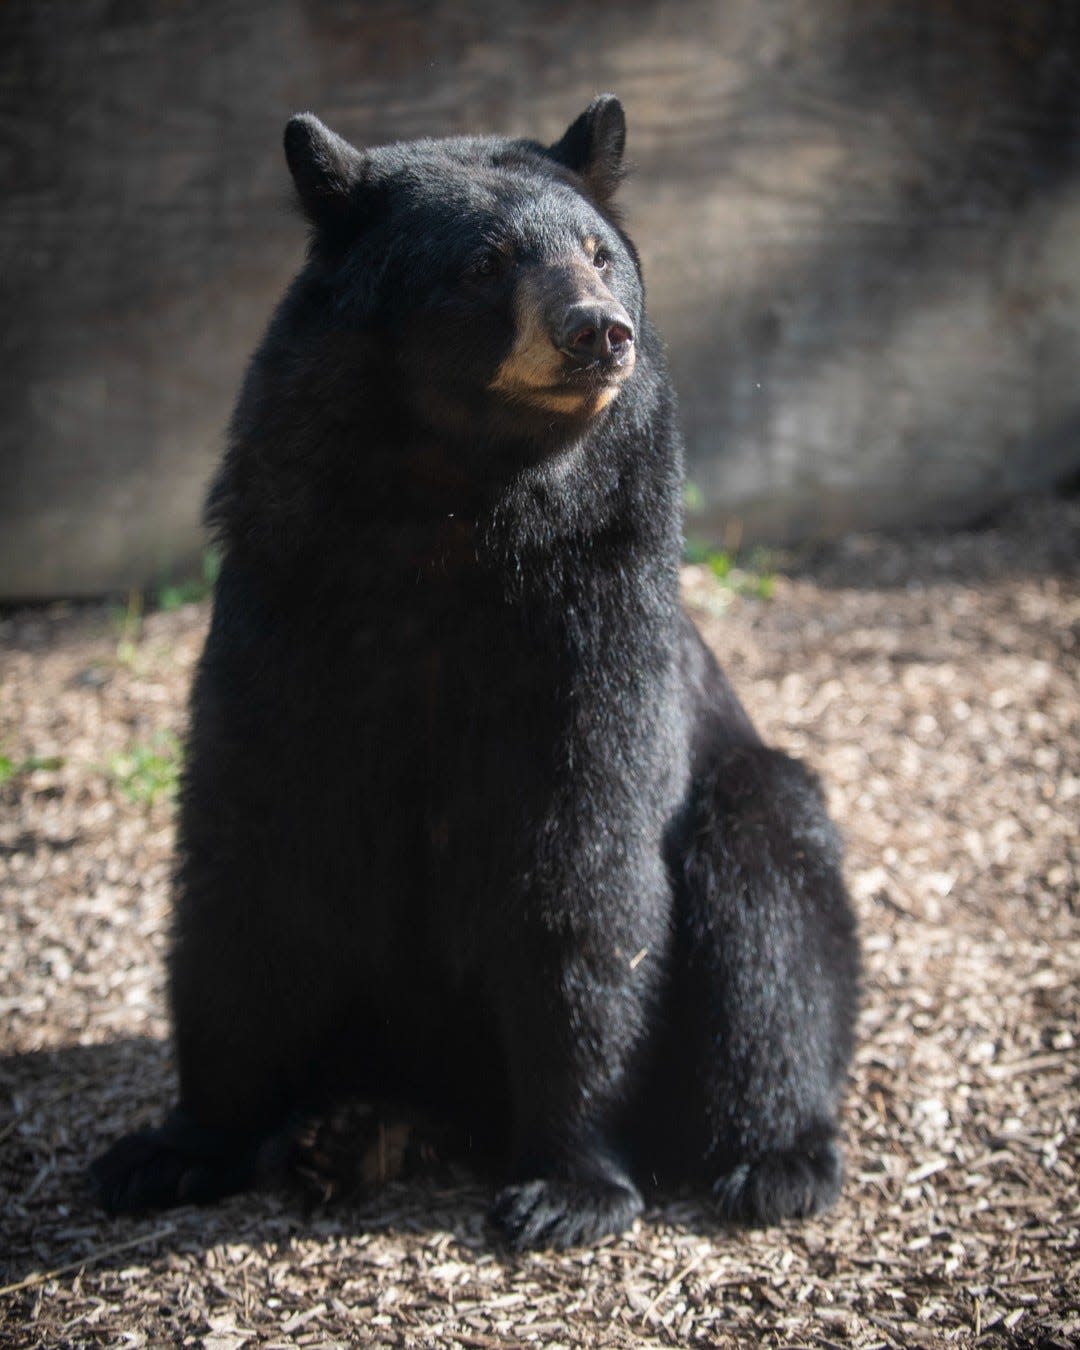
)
(673, 1283)
(999, 1072)
(888, 1327)
(481, 1342)
(42, 1275)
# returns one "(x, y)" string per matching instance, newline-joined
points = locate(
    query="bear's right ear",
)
(325, 169)
(593, 145)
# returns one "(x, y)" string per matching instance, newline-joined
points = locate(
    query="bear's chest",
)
(450, 691)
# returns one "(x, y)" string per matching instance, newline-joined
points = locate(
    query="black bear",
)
(470, 817)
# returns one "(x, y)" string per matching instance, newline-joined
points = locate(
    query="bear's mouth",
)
(581, 390)
(596, 383)
(603, 373)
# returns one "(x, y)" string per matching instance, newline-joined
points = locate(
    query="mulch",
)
(930, 679)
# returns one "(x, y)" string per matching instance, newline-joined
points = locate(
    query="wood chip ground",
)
(932, 680)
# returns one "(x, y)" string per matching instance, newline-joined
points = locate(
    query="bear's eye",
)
(601, 260)
(487, 265)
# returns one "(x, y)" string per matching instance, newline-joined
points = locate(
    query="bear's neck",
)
(344, 487)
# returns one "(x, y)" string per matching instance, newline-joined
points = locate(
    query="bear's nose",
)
(596, 333)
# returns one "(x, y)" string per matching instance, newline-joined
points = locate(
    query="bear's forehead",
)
(494, 187)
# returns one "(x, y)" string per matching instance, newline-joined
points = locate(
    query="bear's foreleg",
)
(236, 1079)
(573, 1030)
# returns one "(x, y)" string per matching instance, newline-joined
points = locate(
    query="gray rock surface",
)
(858, 222)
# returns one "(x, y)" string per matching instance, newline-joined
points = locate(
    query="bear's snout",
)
(592, 333)
(575, 343)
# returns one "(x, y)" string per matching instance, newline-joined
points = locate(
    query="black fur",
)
(470, 817)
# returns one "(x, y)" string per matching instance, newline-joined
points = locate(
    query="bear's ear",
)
(593, 145)
(325, 169)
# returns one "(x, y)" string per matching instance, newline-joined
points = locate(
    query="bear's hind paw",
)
(790, 1183)
(151, 1169)
(558, 1213)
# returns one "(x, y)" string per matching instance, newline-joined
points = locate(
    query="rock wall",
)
(859, 224)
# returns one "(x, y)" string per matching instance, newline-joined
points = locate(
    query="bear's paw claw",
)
(558, 1213)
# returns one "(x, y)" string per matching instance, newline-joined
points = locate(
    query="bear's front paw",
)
(175, 1165)
(790, 1183)
(140, 1171)
(560, 1213)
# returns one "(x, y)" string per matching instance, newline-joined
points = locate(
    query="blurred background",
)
(860, 225)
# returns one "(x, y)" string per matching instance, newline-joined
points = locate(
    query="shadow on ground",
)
(64, 1107)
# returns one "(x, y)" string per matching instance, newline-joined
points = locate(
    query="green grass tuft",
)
(149, 770)
(754, 574)
(195, 589)
(10, 768)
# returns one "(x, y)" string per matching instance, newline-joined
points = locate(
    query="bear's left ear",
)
(593, 145)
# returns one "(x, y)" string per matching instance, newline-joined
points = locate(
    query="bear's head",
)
(484, 283)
